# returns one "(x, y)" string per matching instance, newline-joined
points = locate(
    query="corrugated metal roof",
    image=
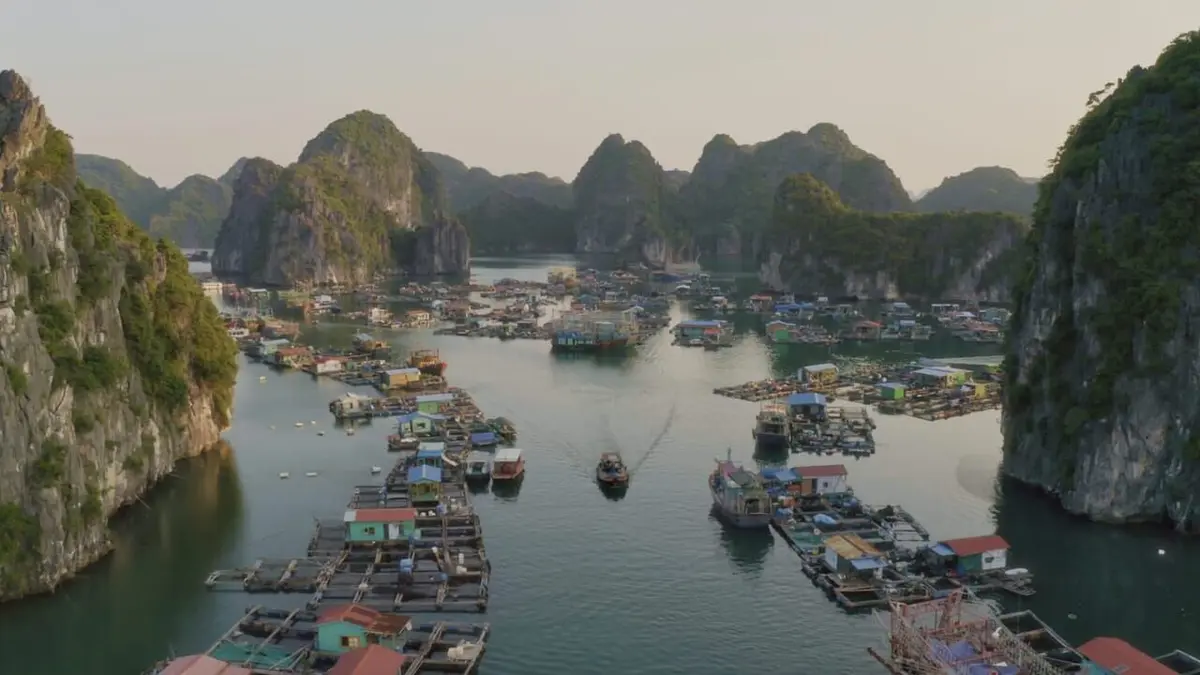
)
(360, 615)
(508, 455)
(806, 398)
(820, 367)
(384, 515)
(200, 664)
(434, 398)
(1121, 657)
(369, 660)
(864, 564)
(976, 545)
(851, 547)
(425, 473)
(822, 471)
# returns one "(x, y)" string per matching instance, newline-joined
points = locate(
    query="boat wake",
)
(666, 429)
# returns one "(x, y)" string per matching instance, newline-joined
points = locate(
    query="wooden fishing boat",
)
(509, 465)
(427, 361)
(611, 470)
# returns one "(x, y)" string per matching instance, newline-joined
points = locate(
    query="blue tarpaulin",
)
(806, 398)
(865, 564)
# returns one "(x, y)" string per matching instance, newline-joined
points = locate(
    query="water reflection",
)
(162, 547)
(613, 493)
(479, 488)
(747, 548)
(617, 360)
(1111, 579)
(507, 490)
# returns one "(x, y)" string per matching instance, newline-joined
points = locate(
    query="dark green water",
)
(583, 584)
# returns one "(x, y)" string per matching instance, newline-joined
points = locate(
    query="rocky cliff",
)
(624, 205)
(1102, 363)
(986, 188)
(115, 365)
(506, 223)
(188, 214)
(361, 200)
(728, 200)
(817, 244)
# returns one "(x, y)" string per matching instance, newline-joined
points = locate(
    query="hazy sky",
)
(934, 87)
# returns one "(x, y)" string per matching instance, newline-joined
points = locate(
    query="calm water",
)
(581, 583)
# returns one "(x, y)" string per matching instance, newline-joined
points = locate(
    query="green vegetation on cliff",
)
(1140, 261)
(506, 223)
(986, 188)
(468, 187)
(188, 214)
(923, 253)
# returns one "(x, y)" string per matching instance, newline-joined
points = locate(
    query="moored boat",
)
(509, 465)
(739, 496)
(611, 471)
(771, 428)
(479, 467)
(427, 361)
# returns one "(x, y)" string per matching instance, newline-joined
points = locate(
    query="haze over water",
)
(582, 584)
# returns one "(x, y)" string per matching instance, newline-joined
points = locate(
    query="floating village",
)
(376, 580)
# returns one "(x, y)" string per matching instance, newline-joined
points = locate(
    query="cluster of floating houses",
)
(805, 422)
(930, 389)
(410, 546)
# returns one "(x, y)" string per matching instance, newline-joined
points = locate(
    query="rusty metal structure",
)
(956, 635)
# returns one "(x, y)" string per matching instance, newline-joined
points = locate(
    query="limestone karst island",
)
(765, 343)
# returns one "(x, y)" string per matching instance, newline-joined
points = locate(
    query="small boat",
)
(611, 471)
(771, 428)
(311, 474)
(479, 467)
(349, 431)
(509, 465)
(427, 361)
(376, 469)
(299, 424)
(397, 443)
(262, 378)
(739, 496)
(284, 474)
(320, 433)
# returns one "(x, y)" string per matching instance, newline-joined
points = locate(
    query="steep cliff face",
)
(115, 365)
(624, 205)
(507, 223)
(188, 214)
(986, 188)
(728, 200)
(1102, 363)
(360, 194)
(817, 244)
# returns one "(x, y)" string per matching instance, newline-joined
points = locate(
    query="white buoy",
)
(313, 422)
(284, 474)
(262, 378)
(299, 424)
(311, 474)
(1161, 552)
(376, 469)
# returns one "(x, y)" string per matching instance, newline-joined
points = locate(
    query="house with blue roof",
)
(424, 484)
(432, 456)
(807, 404)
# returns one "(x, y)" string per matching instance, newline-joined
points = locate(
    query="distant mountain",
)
(467, 187)
(987, 188)
(188, 214)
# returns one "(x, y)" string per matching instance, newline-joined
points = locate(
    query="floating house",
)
(1118, 656)
(695, 329)
(807, 405)
(851, 555)
(780, 331)
(424, 484)
(899, 310)
(432, 454)
(434, 403)
(201, 664)
(328, 365)
(370, 660)
(266, 347)
(399, 378)
(865, 330)
(890, 391)
(821, 374)
(824, 479)
(940, 376)
(972, 555)
(370, 526)
(343, 628)
(418, 424)
(290, 356)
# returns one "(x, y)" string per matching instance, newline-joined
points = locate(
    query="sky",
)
(934, 87)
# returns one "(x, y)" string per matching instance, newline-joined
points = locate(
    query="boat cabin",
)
(780, 331)
(418, 424)
(479, 465)
(508, 465)
(819, 375)
(971, 555)
(823, 479)
(431, 454)
(398, 378)
(849, 555)
(691, 330)
(424, 484)
(890, 391)
(343, 628)
(371, 526)
(944, 377)
(807, 405)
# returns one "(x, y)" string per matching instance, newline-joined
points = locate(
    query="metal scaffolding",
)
(952, 635)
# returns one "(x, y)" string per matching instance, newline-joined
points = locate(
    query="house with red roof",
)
(369, 660)
(343, 628)
(201, 664)
(823, 479)
(972, 555)
(1118, 656)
